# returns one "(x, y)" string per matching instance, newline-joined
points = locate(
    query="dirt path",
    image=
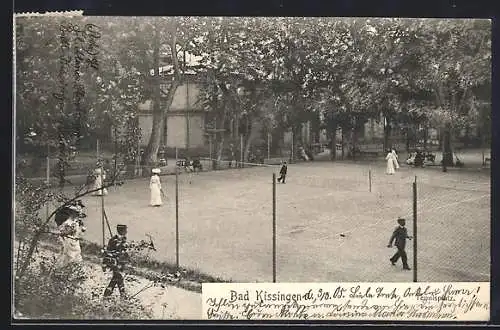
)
(166, 303)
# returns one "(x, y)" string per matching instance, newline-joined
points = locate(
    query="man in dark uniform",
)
(283, 173)
(115, 257)
(400, 235)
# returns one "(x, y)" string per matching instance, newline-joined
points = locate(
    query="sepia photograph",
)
(154, 155)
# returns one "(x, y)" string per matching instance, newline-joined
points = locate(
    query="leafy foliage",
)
(49, 291)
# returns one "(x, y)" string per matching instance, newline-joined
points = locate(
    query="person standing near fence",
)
(395, 158)
(390, 163)
(399, 237)
(99, 178)
(155, 187)
(283, 172)
(189, 169)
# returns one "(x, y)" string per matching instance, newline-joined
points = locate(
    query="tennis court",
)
(330, 227)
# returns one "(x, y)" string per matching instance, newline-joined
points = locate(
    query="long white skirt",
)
(396, 163)
(98, 185)
(155, 195)
(390, 166)
(71, 251)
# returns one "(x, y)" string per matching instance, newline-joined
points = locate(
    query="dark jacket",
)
(116, 254)
(283, 169)
(399, 235)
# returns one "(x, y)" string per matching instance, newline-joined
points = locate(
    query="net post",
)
(176, 210)
(415, 230)
(274, 227)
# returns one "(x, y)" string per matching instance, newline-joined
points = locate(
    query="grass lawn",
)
(329, 226)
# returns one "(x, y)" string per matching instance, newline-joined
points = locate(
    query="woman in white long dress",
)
(99, 182)
(70, 229)
(390, 163)
(395, 159)
(155, 187)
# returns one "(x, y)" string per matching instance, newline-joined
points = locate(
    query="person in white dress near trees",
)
(155, 187)
(390, 163)
(395, 158)
(100, 176)
(70, 229)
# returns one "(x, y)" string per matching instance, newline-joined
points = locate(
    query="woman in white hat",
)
(70, 228)
(155, 187)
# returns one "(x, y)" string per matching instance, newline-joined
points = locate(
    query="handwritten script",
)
(347, 301)
(79, 49)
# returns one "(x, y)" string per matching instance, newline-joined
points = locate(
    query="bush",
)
(46, 290)
(51, 292)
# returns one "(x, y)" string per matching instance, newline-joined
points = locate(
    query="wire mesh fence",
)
(333, 222)
(454, 232)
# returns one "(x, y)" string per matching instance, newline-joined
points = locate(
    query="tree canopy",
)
(290, 68)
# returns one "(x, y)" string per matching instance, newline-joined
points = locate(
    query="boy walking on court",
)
(400, 235)
(283, 173)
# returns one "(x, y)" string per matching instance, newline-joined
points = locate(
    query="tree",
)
(454, 60)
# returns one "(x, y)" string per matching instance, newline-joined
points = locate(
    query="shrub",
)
(50, 292)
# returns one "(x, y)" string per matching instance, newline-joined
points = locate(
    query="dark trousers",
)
(116, 280)
(401, 253)
(282, 178)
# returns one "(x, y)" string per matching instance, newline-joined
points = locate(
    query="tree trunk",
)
(354, 139)
(151, 152)
(276, 140)
(295, 138)
(425, 137)
(447, 148)
(220, 148)
(387, 134)
(467, 136)
(254, 132)
(333, 136)
(61, 162)
(160, 115)
(342, 131)
(407, 139)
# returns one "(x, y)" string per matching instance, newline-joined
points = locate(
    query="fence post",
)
(415, 230)
(370, 179)
(177, 210)
(48, 180)
(269, 136)
(274, 227)
(209, 152)
(102, 196)
(241, 151)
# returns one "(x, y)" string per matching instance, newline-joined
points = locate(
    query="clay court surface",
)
(330, 228)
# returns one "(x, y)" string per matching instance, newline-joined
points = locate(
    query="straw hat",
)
(156, 171)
